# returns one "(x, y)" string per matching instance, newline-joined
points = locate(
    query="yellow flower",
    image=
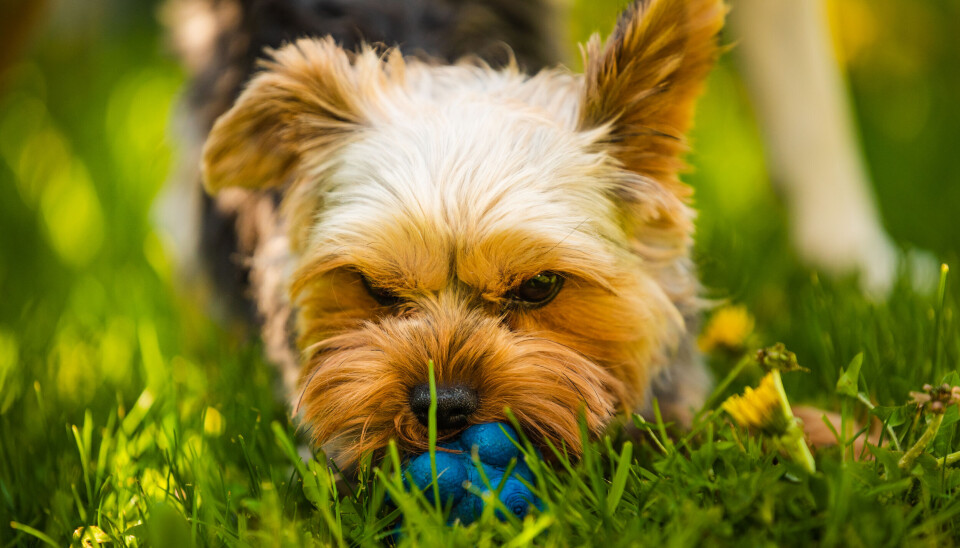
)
(767, 410)
(760, 408)
(728, 328)
(212, 422)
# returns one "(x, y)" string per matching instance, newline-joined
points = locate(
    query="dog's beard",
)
(356, 386)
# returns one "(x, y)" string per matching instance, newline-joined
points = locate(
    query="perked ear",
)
(644, 81)
(309, 97)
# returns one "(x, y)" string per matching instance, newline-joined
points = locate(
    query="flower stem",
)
(948, 460)
(908, 458)
(793, 441)
(796, 447)
(890, 433)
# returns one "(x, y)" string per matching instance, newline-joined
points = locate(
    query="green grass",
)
(123, 406)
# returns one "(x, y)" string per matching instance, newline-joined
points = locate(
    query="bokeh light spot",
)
(72, 213)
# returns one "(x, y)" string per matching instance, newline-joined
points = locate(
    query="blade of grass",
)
(432, 432)
(938, 333)
(84, 461)
(34, 533)
(104, 451)
(619, 482)
(661, 426)
(886, 427)
(644, 425)
(251, 471)
(731, 376)
(529, 533)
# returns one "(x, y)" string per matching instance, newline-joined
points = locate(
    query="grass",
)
(124, 407)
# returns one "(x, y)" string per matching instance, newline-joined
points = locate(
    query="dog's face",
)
(526, 235)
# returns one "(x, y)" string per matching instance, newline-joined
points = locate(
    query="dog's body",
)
(527, 234)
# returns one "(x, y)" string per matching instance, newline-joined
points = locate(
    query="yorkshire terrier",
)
(528, 233)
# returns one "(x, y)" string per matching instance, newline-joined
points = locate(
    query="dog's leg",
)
(682, 388)
(799, 94)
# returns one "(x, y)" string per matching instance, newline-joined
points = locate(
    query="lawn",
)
(128, 416)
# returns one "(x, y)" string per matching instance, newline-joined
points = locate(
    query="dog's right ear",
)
(309, 97)
(643, 82)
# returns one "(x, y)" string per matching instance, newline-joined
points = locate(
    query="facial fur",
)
(446, 187)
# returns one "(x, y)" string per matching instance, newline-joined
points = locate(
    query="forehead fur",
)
(458, 155)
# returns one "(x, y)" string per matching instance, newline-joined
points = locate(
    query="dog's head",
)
(529, 235)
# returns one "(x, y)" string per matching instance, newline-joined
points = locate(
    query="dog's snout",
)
(455, 403)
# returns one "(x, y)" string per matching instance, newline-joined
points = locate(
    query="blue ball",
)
(451, 473)
(494, 446)
(467, 510)
(523, 470)
(516, 497)
(452, 445)
(495, 450)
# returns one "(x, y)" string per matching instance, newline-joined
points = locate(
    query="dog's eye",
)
(538, 290)
(382, 296)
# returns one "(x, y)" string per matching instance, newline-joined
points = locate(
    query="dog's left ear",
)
(644, 81)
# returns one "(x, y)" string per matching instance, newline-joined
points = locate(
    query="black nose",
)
(454, 404)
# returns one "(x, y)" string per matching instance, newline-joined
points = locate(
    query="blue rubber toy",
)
(495, 450)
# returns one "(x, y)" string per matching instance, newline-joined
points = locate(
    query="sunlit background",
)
(91, 322)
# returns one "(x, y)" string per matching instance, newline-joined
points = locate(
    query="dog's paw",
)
(844, 242)
(820, 436)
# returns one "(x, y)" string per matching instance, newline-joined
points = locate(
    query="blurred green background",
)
(90, 318)
(86, 146)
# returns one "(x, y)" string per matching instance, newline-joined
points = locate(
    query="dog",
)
(384, 207)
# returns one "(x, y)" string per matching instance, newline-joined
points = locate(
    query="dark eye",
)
(538, 290)
(382, 296)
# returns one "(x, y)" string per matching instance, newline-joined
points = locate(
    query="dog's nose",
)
(455, 403)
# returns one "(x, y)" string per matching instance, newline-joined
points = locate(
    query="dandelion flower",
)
(767, 410)
(728, 329)
(759, 409)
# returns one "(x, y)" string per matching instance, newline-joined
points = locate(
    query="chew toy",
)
(456, 470)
